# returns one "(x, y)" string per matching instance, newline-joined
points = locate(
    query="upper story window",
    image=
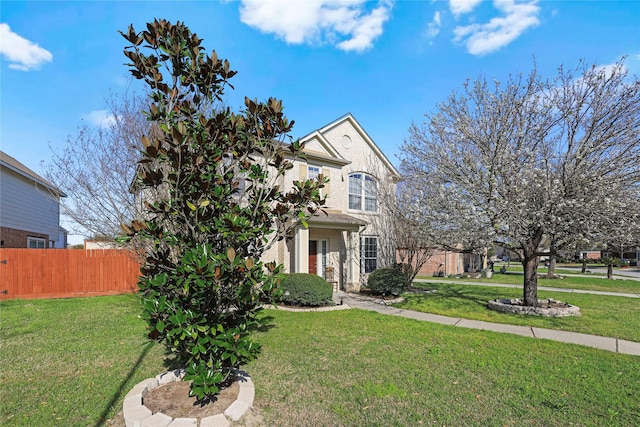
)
(363, 193)
(313, 172)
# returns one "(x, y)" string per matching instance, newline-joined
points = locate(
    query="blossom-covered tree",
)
(529, 161)
(625, 238)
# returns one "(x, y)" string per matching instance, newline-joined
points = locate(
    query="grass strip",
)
(617, 317)
(568, 282)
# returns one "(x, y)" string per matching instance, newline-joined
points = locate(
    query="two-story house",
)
(29, 208)
(344, 243)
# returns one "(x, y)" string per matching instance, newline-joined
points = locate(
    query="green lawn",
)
(69, 362)
(568, 282)
(601, 315)
(559, 270)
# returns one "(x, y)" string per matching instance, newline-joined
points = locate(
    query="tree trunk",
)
(584, 264)
(551, 271)
(610, 271)
(530, 266)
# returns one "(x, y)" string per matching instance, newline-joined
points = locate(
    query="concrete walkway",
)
(629, 273)
(610, 344)
(540, 288)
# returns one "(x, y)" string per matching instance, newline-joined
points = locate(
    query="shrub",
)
(306, 290)
(387, 281)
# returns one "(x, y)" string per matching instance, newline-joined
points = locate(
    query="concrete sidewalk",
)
(540, 288)
(610, 344)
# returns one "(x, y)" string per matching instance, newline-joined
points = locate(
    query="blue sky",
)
(387, 62)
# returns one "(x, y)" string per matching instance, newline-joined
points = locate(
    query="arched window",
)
(363, 192)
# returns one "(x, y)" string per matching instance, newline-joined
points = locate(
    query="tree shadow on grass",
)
(121, 387)
(265, 324)
(452, 294)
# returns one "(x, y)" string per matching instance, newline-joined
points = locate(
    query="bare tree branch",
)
(97, 166)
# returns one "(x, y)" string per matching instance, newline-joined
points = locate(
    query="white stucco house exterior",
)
(29, 208)
(343, 244)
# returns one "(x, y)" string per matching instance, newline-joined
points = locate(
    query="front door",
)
(313, 257)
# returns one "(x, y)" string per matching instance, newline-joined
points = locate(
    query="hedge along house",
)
(345, 242)
(29, 208)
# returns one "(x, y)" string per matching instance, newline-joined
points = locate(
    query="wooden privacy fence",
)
(60, 273)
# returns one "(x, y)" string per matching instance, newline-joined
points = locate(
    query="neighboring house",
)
(444, 262)
(628, 254)
(592, 254)
(29, 208)
(344, 244)
(100, 244)
(451, 263)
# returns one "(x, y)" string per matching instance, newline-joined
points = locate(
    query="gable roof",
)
(14, 165)
(319, 135)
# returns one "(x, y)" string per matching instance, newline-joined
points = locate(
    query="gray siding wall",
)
(25, 206)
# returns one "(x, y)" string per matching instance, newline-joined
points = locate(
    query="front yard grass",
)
(568, 282)
(355, 368)
(617, 317)
(69, 362)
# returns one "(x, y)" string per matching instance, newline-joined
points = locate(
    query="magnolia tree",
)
(214, 204)
(96, 167)
(529, 161)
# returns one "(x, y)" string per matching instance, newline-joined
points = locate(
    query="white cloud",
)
(347, 24)
(460, 7)
(100, 118)
(500, 31)
(21, 53)
(433, 28)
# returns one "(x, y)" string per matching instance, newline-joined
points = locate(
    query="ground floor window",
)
(35, 243)
(369, 253)
(323, 257)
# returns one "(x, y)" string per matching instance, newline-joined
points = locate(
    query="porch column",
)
(301, 249)
(353, 262)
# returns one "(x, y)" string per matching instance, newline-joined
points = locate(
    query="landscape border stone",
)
(138, 415)
(514, 305)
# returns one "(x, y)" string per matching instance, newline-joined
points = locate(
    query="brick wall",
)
(12, 238)
(447, 261)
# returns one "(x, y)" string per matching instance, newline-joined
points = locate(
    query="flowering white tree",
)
(521, 163)
(625, 238)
